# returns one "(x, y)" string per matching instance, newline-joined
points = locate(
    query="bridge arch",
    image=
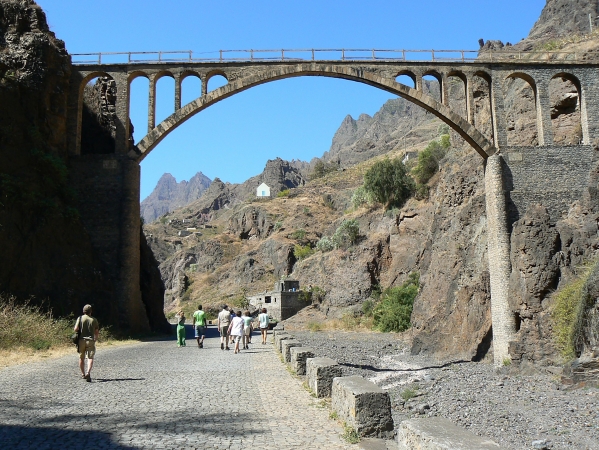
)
(466, 130)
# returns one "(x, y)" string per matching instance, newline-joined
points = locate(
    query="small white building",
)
(263, 190)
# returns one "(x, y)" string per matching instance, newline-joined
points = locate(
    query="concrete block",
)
(320, 373)
(363, 406)
(438, 433)
(280, 337)
(286, 346)
(299, 355)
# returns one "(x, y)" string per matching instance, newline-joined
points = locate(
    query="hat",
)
(87, 308)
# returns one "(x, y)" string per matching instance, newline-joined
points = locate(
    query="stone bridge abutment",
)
(515, 177)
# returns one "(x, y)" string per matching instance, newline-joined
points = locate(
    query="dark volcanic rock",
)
(169, 195)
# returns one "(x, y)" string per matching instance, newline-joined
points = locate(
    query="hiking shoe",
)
(227, 348)
(202, 345)
(88, 378)
(222, 346)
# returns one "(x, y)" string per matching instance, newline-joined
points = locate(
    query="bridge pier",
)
(498, 250)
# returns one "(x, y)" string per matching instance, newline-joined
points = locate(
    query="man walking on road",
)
(88, 329)
(199, 323)
(224, 319)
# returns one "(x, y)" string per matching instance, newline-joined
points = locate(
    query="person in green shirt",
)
(199, 322)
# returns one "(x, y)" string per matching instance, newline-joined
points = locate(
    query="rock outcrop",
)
(169, 195)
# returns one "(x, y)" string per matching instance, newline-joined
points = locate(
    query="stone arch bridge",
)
(514, 177)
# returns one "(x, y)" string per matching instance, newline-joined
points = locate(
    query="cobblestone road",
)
(155, 395)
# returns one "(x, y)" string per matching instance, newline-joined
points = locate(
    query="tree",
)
(389, 182)
(429, 159)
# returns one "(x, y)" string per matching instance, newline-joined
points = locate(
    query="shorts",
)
(87, 347)
(224, 330)
(200, 330)
(247, 331)
(236, 339)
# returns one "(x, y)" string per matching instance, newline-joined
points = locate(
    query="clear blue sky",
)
(294, 118)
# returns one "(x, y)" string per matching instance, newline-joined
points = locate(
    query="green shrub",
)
(283, 193)
(299, 235)
(346, 234)
(278, 225)
(302, 251)
(321, 169)
(368, 308)
(314, 326)
(429, 159)
(361, 196)
(388, 182)
(394, 310)
(325, 244)
(408, 393)
(570, 304)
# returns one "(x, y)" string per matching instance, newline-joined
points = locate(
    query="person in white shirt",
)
(264, 321)
(236, 330)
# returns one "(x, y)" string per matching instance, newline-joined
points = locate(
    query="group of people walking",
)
(234, 326)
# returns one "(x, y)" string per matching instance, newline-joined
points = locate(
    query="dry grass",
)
(28, 334)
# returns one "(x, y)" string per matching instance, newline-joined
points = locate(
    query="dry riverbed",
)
(516, 410)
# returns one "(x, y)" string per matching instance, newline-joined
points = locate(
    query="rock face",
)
(564, 17)
(47, 252)
(169, 195)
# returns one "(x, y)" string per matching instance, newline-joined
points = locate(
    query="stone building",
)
(282, 302)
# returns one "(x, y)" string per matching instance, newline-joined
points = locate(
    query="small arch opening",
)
(520, 111)
(165, 97)
(98, 120)
(216, 81)
(456, 93)
(407, 79)
(481, 93)
(564, 96)
(191, 88)
(139, 89)
(431, 86)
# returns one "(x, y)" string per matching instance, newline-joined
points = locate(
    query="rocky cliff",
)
(47, 250)
(169, 195)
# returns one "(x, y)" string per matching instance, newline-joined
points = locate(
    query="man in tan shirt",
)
(87, 340)
(224, 318)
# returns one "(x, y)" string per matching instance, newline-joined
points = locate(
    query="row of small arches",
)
(521, 118)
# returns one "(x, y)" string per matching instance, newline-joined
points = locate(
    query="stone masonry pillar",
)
(498, 243)
(544, 128)
(132, 313)
(498, 111)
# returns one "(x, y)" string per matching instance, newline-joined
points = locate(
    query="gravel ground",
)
(517, 411)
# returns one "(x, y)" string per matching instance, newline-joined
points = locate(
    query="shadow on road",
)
(22, 437)
(106, 380)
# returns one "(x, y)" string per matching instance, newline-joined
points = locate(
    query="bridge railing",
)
(464, 56)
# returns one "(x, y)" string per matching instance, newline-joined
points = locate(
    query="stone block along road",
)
(153, 395)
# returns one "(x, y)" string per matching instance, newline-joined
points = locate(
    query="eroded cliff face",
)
(46, 252)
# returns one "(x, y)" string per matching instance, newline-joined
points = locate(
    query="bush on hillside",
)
(346, 234)
(302, 251)
(429, 159)
(361, 196)
(325, 244)
(569, 312)
(394, 311)
(388, 182)
(321, 169)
